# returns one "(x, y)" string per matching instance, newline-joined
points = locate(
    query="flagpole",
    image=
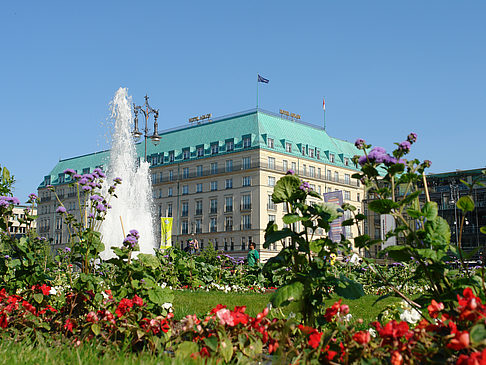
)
(324, 119)
(257, 93)
(324, 108)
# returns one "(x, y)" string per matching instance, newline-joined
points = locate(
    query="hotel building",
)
(216, 178)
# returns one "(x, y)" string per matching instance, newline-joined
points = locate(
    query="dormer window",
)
(304, 152)
(318, 154)
(346, 161)
(186, 153)
(246, 142)
(311, 153)
(171, 156)
(331, 157)
(230, 146)
(214, 148)
(288, 147)
(270, 143)
(200, 151)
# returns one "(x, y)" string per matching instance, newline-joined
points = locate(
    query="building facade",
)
(216, 178)
(15, 228)
(445, 189)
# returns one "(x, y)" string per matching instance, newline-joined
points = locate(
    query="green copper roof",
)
(256, 125)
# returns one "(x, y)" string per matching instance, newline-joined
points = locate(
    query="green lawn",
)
(202, 302)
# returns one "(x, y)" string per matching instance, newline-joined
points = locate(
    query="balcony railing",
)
(228, 209)
(199, 212)
(246, 206)
(213, 211)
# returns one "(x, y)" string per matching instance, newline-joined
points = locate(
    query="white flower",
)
(372, 332)
(411, 316)
(347, 317)
(163, 285)
(53, 291)
(167, 305)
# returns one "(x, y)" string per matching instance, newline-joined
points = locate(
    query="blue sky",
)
(386, 68)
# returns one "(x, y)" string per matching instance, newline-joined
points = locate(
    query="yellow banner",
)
(165, 232)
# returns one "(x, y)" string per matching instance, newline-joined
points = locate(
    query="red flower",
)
(69, 325)
(239, 315)
(460, 341)
(3, 294)
(362, 337)
(123, 307)
(434, 308)
(45, 289)
(217, 308)
(204, 352)
(332, 311)
(396, 358)
(29, 307)
(476, 358)
(92, 317)
(3, 321)
(306, 329)
(392, 329)
(272, 346)
(315, 339)
(329, 354)
(137, 300)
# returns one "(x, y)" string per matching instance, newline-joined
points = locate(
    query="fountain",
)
(133, 205)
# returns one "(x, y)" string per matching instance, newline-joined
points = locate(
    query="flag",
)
(323, 104)
(262, 79)
(166, 232)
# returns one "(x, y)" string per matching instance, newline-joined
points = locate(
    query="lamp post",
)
(454, 198)
(146, 109)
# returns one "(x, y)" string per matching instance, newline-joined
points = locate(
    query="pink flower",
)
(225, 317)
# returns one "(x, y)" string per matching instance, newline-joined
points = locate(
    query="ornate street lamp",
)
(146, 109)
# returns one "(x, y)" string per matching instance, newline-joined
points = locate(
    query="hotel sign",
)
(288, 114)
(200, 118)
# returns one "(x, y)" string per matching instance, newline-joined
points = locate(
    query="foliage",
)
(6, 182)
(423, 236)
(304, 267)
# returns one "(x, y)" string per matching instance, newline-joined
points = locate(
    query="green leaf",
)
(398, 253)
(316, 246)
(413, 213)
(383, 206)
(149, 260)
(347, 222)
(410, 197)
(284, 188)
(276, 236)
(95, 327)
(159, 296)
(212, 343)
(483, 230)
(225, 347)
(348, 288)
(287, 293)
(437, 232)
(466, 203)
(430, 210)
(38, 297)
(291, 218)
(478, 334)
